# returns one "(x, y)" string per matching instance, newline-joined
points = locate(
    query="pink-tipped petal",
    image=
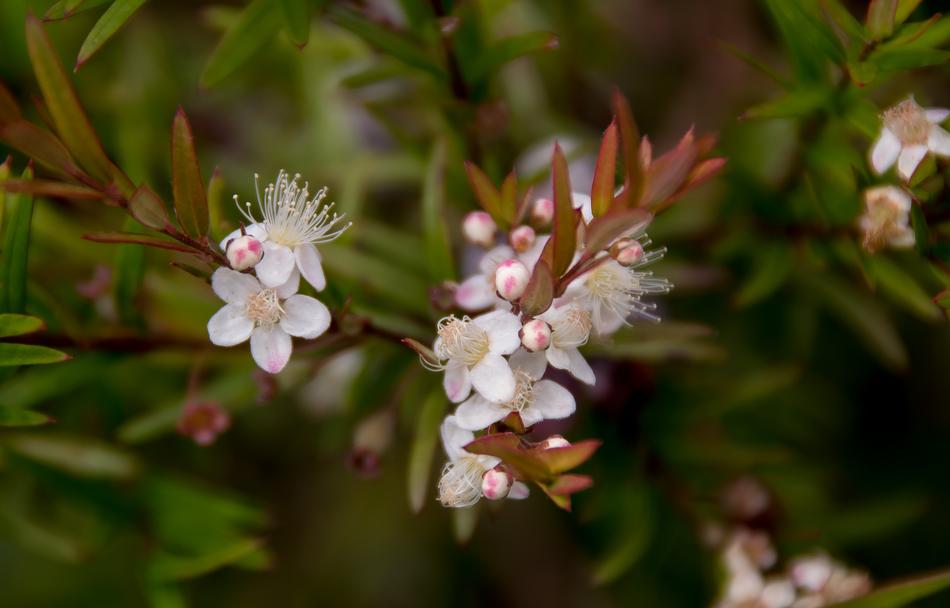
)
(457, 382)
(271, 348)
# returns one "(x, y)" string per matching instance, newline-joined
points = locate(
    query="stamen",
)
(264, 307)
(461, 340)
(461, 482)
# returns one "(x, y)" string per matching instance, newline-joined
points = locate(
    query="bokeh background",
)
(777, 359)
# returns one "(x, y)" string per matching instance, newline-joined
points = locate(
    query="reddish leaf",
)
(564, 232)
(486, 193)
(513, 421)
(44, 187)
(507, 447)
(630, 143)
(9, 110)
(566, 485)
(146, 207)
(191, 203)
(605, 173)
(604, 230)
(540, 290)
(667, 173)
(508, 199)
(40, 145)
(558, 460)
(561, 500)
(137, 239)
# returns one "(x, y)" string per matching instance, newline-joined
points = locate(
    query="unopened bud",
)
(244, 252)
(542, 213)
(627, 252)
(511, 279)
(522, 238)
(536, 335)
(479, 228)
(496, 484)
(554, 441)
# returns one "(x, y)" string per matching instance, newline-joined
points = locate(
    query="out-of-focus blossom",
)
(269, 317)
(522, 238)
(745, 498)
(292, 225)
(203, 421)
(822, 581)
(542, 212)
(479, 229)
(472, 352)
(909, 133)
(886, 219)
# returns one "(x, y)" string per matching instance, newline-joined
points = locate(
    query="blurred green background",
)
(780, 356)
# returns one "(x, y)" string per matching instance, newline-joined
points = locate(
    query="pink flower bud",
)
(627, 252)
(203, 422)
(536, 335)
(496, 484)
(244, 252)
(479, 228)
(522, 238)
(554, 441)
(511, 279)
(542, 212)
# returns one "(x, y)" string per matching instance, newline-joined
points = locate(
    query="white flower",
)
(534, 400)
(472, 351)
(613, 292)
(570, 328)
(461, 482)
(267, 316)
(745, 586)
(886, 218)
(909, 132)
(824, 581)
(292, 223)
(478, 291)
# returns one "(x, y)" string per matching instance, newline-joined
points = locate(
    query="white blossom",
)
(886, 218)
(471, 352)
(570, 328)
(909, 133)
(269, 317)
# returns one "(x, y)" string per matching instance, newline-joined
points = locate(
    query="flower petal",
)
(558, 357)
(530, 363)
(457, 382)
(502, 328)
(937, 115)
(579, 367)
(519, 491)
(308, 261)
(939, 141)
(271, 348)
(885, 151)
(276, 266)
(232, 286)
(291, 286)
(909, 160)
(477, 413)
(454, 438)
(258, 231)
(582, 201)
(475, 293)
(553, 400)
(305, 317)
(492, 258)
(229, 326)
(530, 416)
(493, 379)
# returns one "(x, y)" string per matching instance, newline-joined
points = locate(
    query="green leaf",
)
(396, 45)
(539, 292)
(897, 594)
(257, 24)
(146, 207)
(17, 220)
(904, 9)
(605, 172)
(17, 325)
(15, 417)
(907, 58)
(631, 535)
(108, 24)
(167, 567)
(423, 448)
(795, 103)
(498, 54)
(129, 271)
(438, 252)
(810, 41)
(564, 231)
(902, 288)
(772, 267)
(9, 109)
(486, 193)
(508, 199)
(50, 188)
(67, 8)
(881, 16)
(138, 239)
(79, 456)
(844, 20)
(67, 114)
(191, 203)
(40, 145)
(297, 20)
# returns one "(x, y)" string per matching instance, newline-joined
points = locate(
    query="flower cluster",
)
(279, 248)
(909, 133)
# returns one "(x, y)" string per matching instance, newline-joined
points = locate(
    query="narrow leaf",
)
(138, 239)
(565, 485)
(539, 293)
(40, 145)
(509, 49)
(167, 567)
(630, 146)
(902, 593)
(423, 449)
(604, 230)
(605, 173)
(16, 247)
(296, 15)
(80, 456)
(29, 354)
(902, 288)
(45, 187)
(15, 417)
(257, 24)
(9, 110)
(880, 20)
(904, 10)
(67, 8)
(146, 207)
(18, 325)
(559, 460)
(508, 198)
(438, 252)
(108, 24)
(191, 203)
(485, 192)
(564, 231)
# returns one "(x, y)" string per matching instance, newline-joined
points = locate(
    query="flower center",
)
(461, 482)
(572, 329)
(264, 307)
(908, 122)
(461, 340)
(524, 392)
(883, 217)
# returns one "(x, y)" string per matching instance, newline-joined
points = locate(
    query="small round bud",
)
(479, 228)
(522, 238)
(496, 484)
(554, 441)
(542, 213)
(536, 335)
(511, 279)
(627, 252)
(244, 252)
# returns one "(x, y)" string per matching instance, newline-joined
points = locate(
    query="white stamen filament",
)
(461, 482)
(908, 122)
(571, 329)
(620, 289)
(524, 392)
(264, 307)
(461, 340)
